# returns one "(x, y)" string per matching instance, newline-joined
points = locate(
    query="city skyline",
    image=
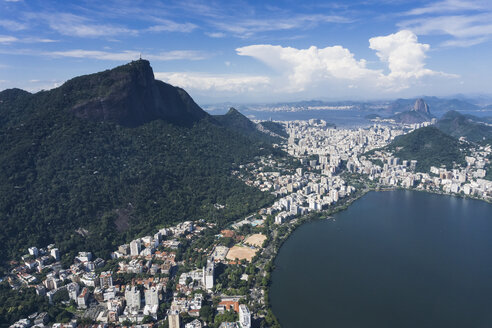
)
(256, 52)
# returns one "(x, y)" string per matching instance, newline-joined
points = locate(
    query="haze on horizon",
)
(252, 51)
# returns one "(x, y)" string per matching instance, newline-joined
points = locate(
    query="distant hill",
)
(430, 147)
(419, 113)
(237, 122)
(116, 153)
(437, 104)
(459, 125)
(372, 116)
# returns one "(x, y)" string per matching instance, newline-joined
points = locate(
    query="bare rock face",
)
(418, 114)
(129, 95)
(421, 106)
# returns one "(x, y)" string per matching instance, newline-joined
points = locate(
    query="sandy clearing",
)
(241, 252)
(255, 240)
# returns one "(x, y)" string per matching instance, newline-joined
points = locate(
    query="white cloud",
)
(460, 26)
(449, 6)
(217, 83)
(305, 66)
(313, 70)
(313, 67)
(463, 42)
(467, 22)
(7, 39)
(129, 55)
(37, 85)
(12, 25)
(215, 35)
(248, 27)
(403, 53)
(37, 40)
(74, 25)
(167, 25)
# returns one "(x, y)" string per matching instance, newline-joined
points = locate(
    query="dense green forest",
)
(430, 147)
(16, 304)
(60, 173)
(236, 121)
(459, 125)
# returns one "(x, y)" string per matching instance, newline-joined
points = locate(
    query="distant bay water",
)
(341, 118)
(392, 259)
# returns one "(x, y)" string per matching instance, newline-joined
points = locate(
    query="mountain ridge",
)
(430, 147)
(60, 172)
(129, 95)
(468, 126)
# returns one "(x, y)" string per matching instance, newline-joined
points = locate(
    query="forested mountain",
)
(237, 122)
(115, 153)
(430, 147)
(469, 126)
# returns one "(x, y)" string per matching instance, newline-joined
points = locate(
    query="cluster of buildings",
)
(312, 182)
(301, 192)
(97, 296)
(468, 180)
(323, 148)
(315, 137)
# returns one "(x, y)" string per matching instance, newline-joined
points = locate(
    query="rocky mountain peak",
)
(129, 95)
(421, 106)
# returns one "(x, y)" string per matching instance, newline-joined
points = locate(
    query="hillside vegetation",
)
(459, 125)
(62, 173)
(235, 121)
(430, 147)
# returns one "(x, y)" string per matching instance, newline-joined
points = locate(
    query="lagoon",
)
(392, 259)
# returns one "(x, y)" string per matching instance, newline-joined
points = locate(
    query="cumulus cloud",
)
(220, 83)
(305, 66)
(401, 52)
(314, 70)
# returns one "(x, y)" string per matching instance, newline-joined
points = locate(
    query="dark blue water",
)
(392, 259)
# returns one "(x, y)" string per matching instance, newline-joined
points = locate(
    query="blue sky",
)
(256, 51)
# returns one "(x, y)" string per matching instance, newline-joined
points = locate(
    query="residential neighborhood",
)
(195, 274)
